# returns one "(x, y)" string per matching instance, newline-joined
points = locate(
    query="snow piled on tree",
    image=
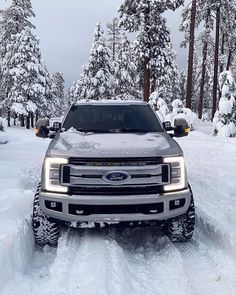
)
(175, 110)
(152, 48)
(3, 124)
(3, 129)
(126, 84)
(27, 88)
(225, 117)
(96, 81)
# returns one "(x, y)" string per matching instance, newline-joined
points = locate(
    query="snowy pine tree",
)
(114, 37)
(145, 17)
(97, 80)
(26, 85)
(12, 21)
(228, 34)
(79, 89)
(58, 90)
(167, 82)
(73, 94)
(48, 109)
(225, 117)
(55, 102)
(125, 73)
(23, 70)
(203, 76)
(218, 16)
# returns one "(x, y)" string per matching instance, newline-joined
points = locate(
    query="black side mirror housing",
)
(42, 128)
(181, 128)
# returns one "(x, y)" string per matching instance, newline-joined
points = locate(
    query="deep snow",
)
(112, 262)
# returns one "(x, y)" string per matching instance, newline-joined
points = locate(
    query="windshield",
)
(112, 118)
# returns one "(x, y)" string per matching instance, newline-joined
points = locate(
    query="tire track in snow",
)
(16, 249)
(219, 236)
(211, 199)
(213, 179)
(102, 262)
(209, 269)
(135, 261)
(100, 266)
(155, 262)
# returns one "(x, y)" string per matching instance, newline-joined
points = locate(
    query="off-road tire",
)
(181, 228)
(45, 231)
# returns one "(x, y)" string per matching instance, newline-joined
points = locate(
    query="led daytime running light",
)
(49, 162)
(182, 178)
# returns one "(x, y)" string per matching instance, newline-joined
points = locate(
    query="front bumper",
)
(164, 201)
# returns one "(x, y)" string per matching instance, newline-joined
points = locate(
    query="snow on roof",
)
(111, 102)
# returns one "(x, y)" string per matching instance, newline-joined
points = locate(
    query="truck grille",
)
(88, 176)
(111, 190)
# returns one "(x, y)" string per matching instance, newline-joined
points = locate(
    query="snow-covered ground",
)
(111, 262)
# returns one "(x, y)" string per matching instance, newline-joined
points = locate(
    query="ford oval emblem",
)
(116, 177)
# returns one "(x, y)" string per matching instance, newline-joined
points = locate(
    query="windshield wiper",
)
(92, 130)
(134, 130)
(118, 130)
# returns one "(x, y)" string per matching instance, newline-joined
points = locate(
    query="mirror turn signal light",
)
(187, 130)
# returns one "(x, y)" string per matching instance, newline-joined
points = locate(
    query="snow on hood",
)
(76, 144)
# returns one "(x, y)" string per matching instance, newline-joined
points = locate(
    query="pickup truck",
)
(112, 163)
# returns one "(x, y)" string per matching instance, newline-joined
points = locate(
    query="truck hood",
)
(108, 145)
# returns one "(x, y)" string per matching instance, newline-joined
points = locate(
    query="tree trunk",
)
(28, 121)
(146, 70)
(8, 117)
(15, 117)
(36, 116)
(22, 120)
(146, 82)
(32, 119)
(190, 56)
(229, 60)
(216, 62)
(203, 74)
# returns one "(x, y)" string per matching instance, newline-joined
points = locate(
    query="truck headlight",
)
(51, 174)
(177, 173)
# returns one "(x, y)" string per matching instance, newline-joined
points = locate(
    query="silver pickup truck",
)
(113, 163)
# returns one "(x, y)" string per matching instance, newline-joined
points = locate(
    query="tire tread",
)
(45, 231)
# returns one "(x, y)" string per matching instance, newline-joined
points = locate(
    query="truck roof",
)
(110, 102)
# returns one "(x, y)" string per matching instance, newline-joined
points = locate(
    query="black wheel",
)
(180, 228)
(45, 231)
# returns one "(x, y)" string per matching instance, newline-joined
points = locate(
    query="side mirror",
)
(42, 129)
(181, 127)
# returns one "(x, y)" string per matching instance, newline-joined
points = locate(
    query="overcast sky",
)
(65, 29)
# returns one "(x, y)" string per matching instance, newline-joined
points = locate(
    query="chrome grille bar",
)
(91, 178)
